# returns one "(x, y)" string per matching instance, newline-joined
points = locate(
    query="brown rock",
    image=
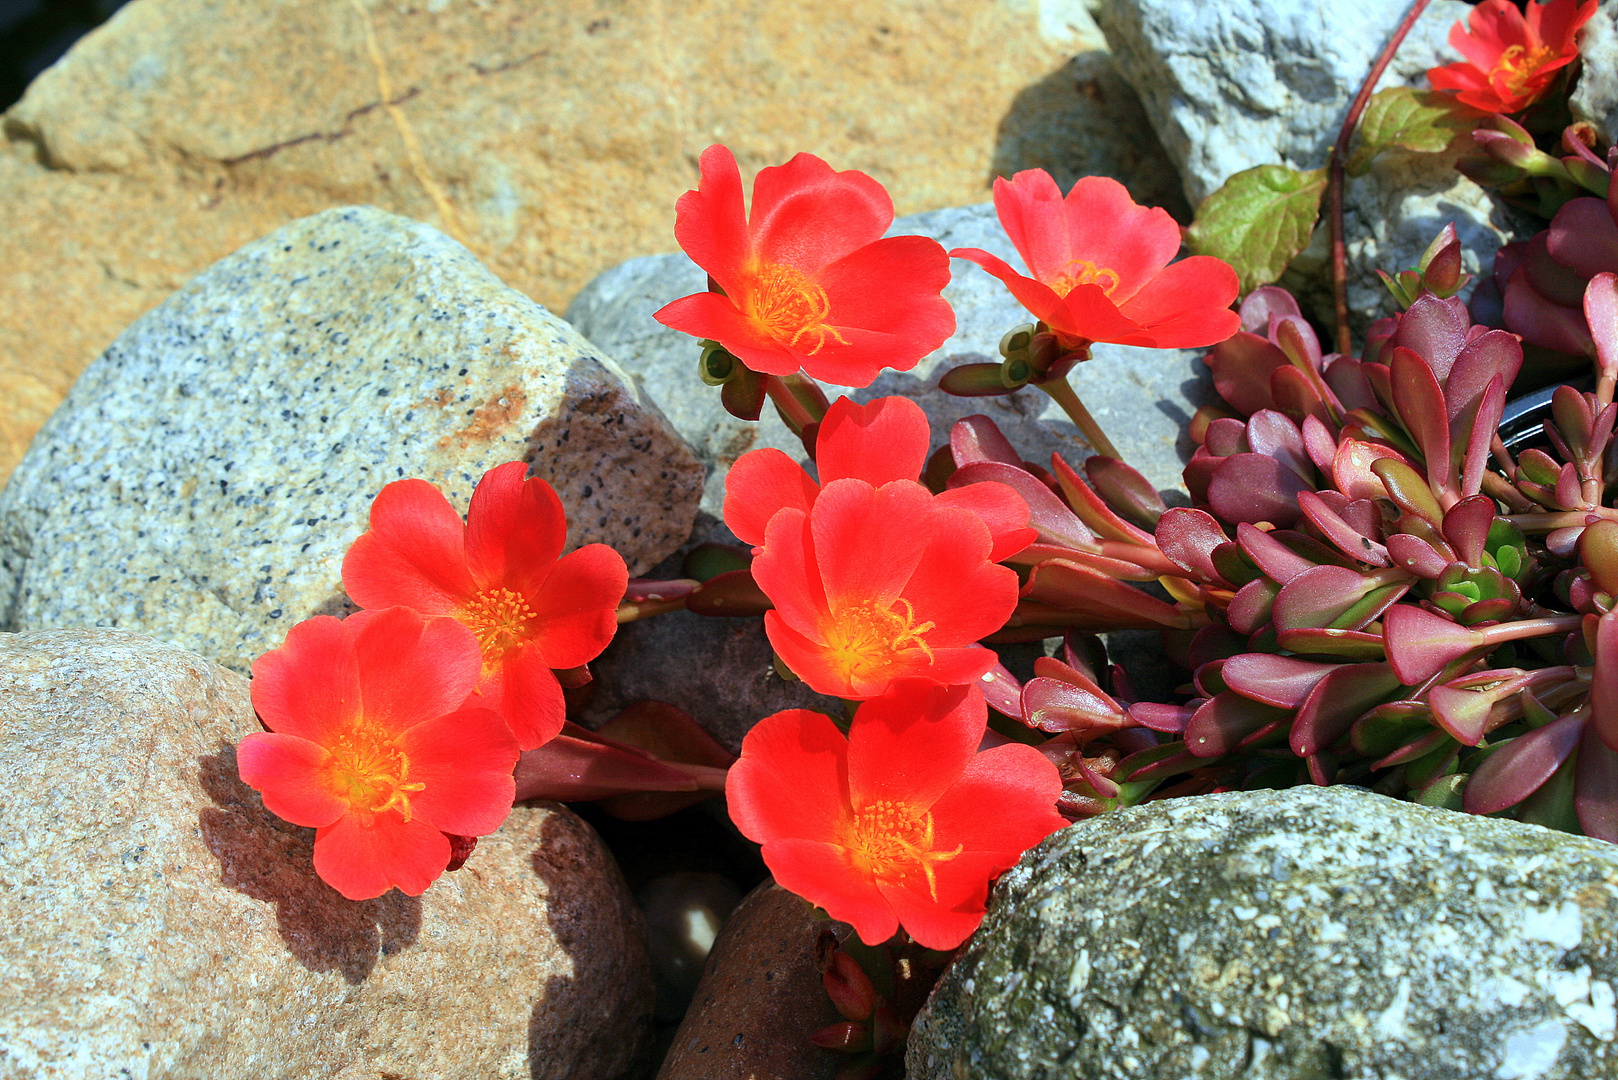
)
(551, 138)
(156, 920)
(760, 998)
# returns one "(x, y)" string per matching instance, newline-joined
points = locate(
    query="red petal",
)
(709, 315)
(963, 893)
(955, 586)
(851, 519)
(1557, 22)
(1494, 26)
(1106, 228)
(364, 861)
(286, 769)
(808, 659)
(1040, 299)
(1000, 508)
(1191, 294)
(824, 875)
(762, 482)
(882, 441)
(310, 686)
(1460, 77)
(710, 223)
(791, 780)
(1030, 209)
(514, 530)
(884, 301)
(788, 572)
(805, 214)
(576, 609)
(1020, 783)
(910, 744)
(412, 668)
(414, 554)
(465, 760)
(524, 690)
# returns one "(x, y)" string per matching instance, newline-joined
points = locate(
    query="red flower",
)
(1511, 62)
(873, 584)
(370, 745)
(902, 822)
(499, 575)
(879, 442)
(1101, 267)
(808, 280)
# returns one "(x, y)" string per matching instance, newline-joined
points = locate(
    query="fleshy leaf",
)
(1517, 769)
(1259, 220)
(1336, 702)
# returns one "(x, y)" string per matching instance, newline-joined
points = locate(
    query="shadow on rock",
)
(269, 859)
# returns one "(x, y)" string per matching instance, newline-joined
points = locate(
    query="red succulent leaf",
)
(1228, 720)
(1124, 488)
(1435, 330)
(1543, 322)
(1601, 313)
(1582, 238)
(1517, 769)
(1254, 488)
(1083, 591)
(1337, 596)
(1047, 514)
(1595, 797)
(1279, 561)
(1466, 527)
(1252, 606)
(1092, 509)
(1188, 537)
(1349, 540)
(1604, 681)
(1466, 707)
(1002, 691)
(1329, 641)
(1352, 472)
(1242, 366)
(1282, 681)
(731, 593)
(1056, 706)
(1340, 698)
(1169, 719)
(1421, 644)
(1265, 304)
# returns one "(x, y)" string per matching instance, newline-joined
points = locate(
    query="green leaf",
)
(1259, 220)
(1410, 119)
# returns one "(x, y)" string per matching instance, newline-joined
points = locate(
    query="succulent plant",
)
(1369, 587)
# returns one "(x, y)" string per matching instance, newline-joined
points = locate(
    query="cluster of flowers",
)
(1340, 587)
(394, 732)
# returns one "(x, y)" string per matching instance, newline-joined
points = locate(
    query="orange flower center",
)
(1084, 272)
(368, 771)
(499, 619)
(1518, 64)
(789, 307)
(888, 836)
(862, 640)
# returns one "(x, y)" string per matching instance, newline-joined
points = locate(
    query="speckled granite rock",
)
(156, 920)
(1595, 98)
(204, 478)
(1316, 932)
(1141, 397)
(552, 138)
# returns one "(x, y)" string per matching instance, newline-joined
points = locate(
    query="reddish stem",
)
(1335, 176)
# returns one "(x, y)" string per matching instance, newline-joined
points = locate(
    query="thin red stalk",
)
(1334, 184)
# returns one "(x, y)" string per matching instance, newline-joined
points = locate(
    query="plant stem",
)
(792, 411)
(1062, 392)
(1335, 175)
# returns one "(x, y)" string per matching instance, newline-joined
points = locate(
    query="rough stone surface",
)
(760, 998)
(1595, 98)
(1142, 398)
(1231, 86)
(156, 920)
(205, 477)
(552, 138)
(1299, 934)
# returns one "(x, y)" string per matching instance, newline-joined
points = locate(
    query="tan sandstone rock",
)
(551, 138)
(157, 921)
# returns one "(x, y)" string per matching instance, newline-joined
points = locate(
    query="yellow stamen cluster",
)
(887, 835)
(370, 772)
(499, 619)
(788, 306)
(1518, 64)
(1084, 272)
(863, 639)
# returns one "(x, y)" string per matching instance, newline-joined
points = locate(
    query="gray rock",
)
(1141, 397)
(157, 920)
(1254, 82)
(205, 476)
(1316, 932)
(1595, 98)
